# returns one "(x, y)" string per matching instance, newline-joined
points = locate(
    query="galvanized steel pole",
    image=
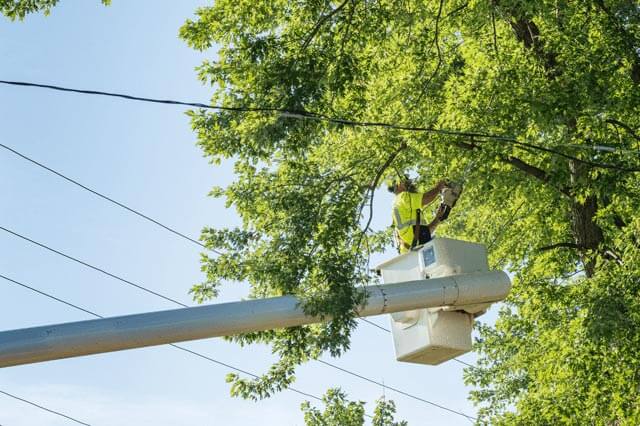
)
(67, 340)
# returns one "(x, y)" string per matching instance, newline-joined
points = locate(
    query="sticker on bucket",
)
(428, 256)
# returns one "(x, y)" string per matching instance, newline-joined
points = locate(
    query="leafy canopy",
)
(19, 9)
(341, 412)
(555, 198)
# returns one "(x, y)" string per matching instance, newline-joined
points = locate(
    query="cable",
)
(463, 363)
(49, 296)
(111, 200)
(44, 408)
(605, 148)
(182, 348)
(298, 114)
(179, 303)
(137, 213)
(307, 115)
(375, 325)
(95, 268)
(398, 390)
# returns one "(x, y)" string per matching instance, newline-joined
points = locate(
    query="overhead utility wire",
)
(375, 325)
(57, 413)
(45, 167)
(111, 200)
(385, 386)
(298, 114)
(182, 348)
(308, 115)
(57, 173)
(39, 164)
(95, 268)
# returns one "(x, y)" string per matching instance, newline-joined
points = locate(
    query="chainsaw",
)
(448, 198)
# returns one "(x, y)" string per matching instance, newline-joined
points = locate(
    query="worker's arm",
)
(430, 195)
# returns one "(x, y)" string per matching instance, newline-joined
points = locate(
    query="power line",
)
(124, 206)
(95, 268)
(298, 114)
(385, 386)
(255, 376)
(104, 197)
(166, 298)
(35, 290)
(57, 413)
(605, 148)
(375, 325)
(308, 115)
(463, 363)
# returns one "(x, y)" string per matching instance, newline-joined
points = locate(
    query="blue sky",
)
(143, 155)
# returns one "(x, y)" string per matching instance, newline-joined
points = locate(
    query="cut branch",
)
(612, 255)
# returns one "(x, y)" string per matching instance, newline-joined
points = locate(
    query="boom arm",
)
(73, 339)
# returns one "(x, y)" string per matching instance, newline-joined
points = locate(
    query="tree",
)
(534, 104)
(340, 412)
(19, 9)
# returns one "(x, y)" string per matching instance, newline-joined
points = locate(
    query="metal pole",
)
(72, 339)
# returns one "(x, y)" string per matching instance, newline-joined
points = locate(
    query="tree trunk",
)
(586, 233)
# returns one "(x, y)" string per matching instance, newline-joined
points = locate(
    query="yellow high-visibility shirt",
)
(404, 216)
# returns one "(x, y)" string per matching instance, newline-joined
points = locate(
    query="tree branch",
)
(456, 10)
(536, 172)
(321, 22)
(524, 167)
(374, 185)
(495, 33)
(626, 127)
(627, 39)
(528, 33)
(560, 245)
(439, 64)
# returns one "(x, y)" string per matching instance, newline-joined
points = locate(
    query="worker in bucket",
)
(409, 207)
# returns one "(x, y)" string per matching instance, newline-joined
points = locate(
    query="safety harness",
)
(416, 229)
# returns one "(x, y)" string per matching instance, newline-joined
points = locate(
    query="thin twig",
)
(372, 188)
(495, 33)
(437, 44)
(321, 22)
(504, 226)
(626, 127)
(456, 10)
